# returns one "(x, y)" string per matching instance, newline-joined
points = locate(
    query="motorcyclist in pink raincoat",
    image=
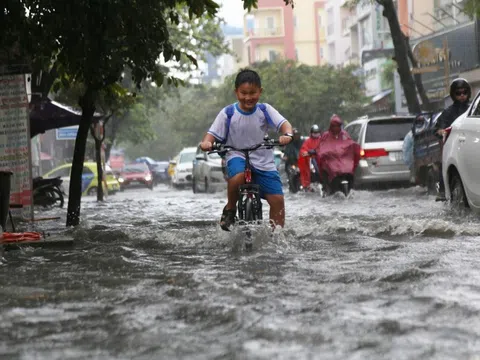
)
(338, 155)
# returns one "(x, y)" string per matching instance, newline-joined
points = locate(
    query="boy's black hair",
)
(247, 76)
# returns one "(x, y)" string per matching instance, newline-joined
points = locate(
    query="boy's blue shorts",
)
(269, 181)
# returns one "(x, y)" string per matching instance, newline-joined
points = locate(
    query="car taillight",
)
(447, 134)
(369, 153)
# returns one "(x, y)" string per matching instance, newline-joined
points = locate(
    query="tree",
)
(92, 43)
(303, 94)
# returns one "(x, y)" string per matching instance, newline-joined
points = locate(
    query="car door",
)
(199, 166)
(87, 178)
(468, 140)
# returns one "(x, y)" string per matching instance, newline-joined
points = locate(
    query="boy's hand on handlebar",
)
(206, 145)
(284, 140)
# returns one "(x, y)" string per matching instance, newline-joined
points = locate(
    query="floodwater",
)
(380, 275)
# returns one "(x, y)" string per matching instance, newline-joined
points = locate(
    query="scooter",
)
(341, 183)
(47, 192)
(294, 183)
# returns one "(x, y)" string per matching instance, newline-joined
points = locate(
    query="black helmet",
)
(314, 129)
(460, 83)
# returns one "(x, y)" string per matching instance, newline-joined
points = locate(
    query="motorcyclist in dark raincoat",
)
(292, 151)
(460, 92)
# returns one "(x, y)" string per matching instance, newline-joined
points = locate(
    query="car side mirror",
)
(200, 157)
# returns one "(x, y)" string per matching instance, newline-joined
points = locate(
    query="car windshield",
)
(187, 157)
(135, 168)
(388, 130)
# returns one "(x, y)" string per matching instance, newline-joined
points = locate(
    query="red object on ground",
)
(19, 237)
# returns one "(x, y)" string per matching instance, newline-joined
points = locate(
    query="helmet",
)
(314, 129)
(460, 83)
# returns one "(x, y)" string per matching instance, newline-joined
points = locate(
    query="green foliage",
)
(303, 94)
(388, 73)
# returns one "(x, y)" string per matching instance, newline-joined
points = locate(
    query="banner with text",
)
(15, 141)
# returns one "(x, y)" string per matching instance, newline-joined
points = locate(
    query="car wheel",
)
(458, 198)
(432, 180)
(194, 186)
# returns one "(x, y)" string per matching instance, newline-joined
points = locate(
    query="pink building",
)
(275, 31)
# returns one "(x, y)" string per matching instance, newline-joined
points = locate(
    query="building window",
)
(272, 55)
(321, 53)
(296, 54)
(319, 20)
(270, 22)
(295, 21)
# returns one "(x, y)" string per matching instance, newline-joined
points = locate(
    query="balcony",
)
(264, 32)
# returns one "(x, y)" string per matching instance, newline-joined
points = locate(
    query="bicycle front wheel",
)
(249, 211)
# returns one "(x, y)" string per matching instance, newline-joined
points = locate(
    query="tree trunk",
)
(87, 103)
(115, 124)
(98, 159)
(401, 54)
(418, 79)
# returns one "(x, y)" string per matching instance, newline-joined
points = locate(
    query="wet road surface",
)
(387, 274)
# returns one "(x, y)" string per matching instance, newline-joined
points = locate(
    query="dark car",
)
(160, 172)
(137, 174)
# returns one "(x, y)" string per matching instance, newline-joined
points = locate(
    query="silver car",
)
(207, 173)
(381, 142)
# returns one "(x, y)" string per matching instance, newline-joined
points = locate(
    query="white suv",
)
(461, 160)
(182, 176)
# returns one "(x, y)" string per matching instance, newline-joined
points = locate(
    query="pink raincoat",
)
(337, 152)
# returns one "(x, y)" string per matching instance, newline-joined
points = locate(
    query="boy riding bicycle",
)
(243, 125)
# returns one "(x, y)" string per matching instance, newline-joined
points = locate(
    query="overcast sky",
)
(232, 12)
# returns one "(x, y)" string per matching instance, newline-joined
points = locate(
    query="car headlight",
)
(120, 180)
(148, 177)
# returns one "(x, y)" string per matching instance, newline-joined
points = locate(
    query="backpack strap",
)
(229, 111)
(263, 107)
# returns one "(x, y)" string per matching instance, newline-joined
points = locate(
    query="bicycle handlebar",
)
(268, 144)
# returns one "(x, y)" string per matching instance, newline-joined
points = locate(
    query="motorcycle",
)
(48, 192)
(340, 183)
(294, 183)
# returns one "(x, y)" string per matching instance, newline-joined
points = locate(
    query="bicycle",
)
(249, 205)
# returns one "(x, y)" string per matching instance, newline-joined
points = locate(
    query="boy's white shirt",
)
(247, 130)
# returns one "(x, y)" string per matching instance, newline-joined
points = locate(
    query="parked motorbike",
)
(48, 192)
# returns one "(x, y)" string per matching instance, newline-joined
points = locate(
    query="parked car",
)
(89, 178)
(136, 174)
(160, 172)
(207, 173)
(461, 161)
(182, 175)
(381, 142)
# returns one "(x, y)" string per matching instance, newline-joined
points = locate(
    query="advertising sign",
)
(67, 133)
(15, 141)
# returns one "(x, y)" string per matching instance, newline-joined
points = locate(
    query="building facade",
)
(275, 31)
(338, 32)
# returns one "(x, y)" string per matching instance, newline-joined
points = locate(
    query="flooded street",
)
(387, 274)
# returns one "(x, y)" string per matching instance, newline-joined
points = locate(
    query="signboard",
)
(67, 133)
(15, 141)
